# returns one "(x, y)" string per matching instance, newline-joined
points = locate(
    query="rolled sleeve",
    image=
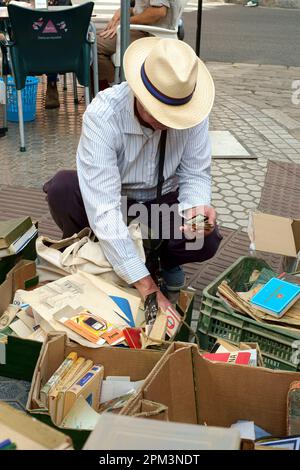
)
(100, 185)
(160, 3)
(194, 169)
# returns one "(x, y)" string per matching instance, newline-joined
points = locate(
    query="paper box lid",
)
(275, 234)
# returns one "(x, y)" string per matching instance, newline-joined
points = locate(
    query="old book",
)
(89, 386)
(71, 374)
(276, 297)
(12, 229)
(56, 377)
(60, 399)
(236, 357)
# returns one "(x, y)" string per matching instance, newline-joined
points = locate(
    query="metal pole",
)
(125, 31)
(199, 27)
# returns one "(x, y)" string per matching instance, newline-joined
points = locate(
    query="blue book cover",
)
(276, 297)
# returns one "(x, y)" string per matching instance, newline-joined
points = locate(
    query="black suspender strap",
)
(162, 152)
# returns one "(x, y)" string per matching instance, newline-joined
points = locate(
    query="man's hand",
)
(162, 301)
(147, 286)
(109, 32)
(207, 211)
(110, 29)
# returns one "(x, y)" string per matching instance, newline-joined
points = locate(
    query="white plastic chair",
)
(153, 30)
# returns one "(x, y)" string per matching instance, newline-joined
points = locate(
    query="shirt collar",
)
(132, 124)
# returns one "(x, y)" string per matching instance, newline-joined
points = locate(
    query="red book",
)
(238, 357)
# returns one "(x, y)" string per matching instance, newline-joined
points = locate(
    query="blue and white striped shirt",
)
(117, 156)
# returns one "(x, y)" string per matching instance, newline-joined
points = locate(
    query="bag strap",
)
(162, 152)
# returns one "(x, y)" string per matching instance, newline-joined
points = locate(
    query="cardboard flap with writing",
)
(173, 386)
(226, 393)
(275, 234)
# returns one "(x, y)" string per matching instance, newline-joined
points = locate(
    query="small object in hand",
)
(199, 222)
(151, 309)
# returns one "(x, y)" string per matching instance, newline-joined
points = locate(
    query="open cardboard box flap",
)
(275, 234)
(16, 278)
(196, 390)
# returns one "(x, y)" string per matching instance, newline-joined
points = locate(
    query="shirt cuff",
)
(131, 270)
(183, 206)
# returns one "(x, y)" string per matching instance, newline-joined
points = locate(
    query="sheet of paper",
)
(2, 353)
(246, 429)
(21, 329)
(81, 416)
(118, 378)
(27, 319)
(116, 388)
(38, 335)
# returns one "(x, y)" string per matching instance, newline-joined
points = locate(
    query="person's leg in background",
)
(106, 48)
(52, 98)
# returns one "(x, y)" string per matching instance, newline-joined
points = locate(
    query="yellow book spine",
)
(52, 396)
(60, 400)
(58, 375)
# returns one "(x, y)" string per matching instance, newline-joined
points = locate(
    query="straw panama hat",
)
(170, 81)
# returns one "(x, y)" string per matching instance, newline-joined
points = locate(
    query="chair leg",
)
(76, 101)
(65, 82)
(87, 95)
(95, 69)
(117, 75)
(5, 104)
(95, 58)
(21, 121)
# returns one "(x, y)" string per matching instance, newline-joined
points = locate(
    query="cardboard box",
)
(242, 347)
(28, 433)
(199, 391)
(21, 276)
(137, 364)
(275, 234)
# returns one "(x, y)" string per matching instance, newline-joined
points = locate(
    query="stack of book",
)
(75, 377)
(275, 301)
(15, 234)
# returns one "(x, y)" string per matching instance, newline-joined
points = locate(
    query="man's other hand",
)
(193, 232)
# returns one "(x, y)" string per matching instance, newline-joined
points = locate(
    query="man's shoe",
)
(174, 278)
(52, 99)
(251, 4)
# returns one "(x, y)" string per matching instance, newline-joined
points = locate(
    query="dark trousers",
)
(67, 209)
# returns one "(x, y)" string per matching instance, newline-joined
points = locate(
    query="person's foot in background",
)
(251, 3)
(52, 98)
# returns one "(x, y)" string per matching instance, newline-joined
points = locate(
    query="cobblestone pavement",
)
(253, 102)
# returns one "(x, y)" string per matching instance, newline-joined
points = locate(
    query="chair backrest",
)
(182, 5)
(49, 41)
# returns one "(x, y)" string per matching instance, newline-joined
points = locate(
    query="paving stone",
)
(222, 210)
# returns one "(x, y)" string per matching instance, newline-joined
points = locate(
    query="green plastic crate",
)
(217, 319)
